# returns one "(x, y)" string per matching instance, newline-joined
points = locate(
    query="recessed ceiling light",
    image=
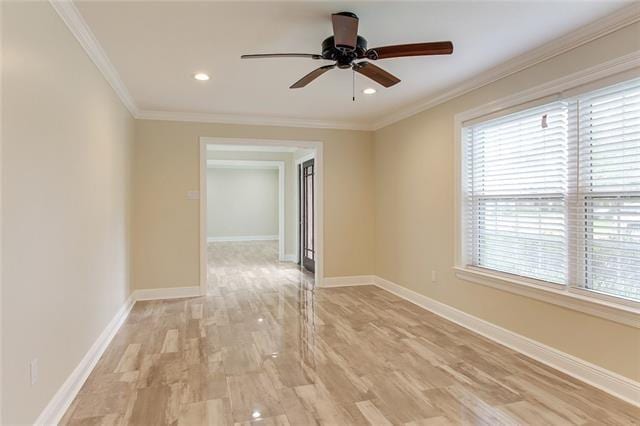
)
(256, 414)
(201, 76)
(369, 91)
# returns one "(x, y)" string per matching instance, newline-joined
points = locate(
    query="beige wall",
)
(414, 190)
(242, 202)
(166, 223)
(65, 183)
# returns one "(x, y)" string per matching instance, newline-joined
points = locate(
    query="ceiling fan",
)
(345, 47)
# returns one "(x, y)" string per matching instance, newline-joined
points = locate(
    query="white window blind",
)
(553, 192)
(608, 212)
(516, 168)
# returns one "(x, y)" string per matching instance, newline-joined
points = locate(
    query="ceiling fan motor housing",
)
(343, 56)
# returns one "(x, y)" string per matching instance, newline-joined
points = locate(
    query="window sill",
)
(575, 299)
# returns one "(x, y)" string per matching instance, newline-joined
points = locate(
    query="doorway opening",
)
(246, 201)
(252, 211)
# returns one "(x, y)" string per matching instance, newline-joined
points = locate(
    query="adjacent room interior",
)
(336, 213)
(260, 215)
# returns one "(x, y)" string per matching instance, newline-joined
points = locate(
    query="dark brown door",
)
(307, 207)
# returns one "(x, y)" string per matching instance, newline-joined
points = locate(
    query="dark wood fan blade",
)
(311, 76)
(345, 29)
(281, 55)
(376, 73)
(416, 49)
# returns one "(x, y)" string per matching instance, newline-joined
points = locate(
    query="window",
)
(608, 175)
(552, 193)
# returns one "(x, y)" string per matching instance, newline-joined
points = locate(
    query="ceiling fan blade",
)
(416, 49)
(281, 55)
(345, 29)
(376, 73)
(311, 76)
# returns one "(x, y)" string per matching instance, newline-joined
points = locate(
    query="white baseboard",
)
(613, 383)
(290, 258)
(166, 293)
(610, 382)
(63, 398)
(65, 395)
(349, 281)
(243, 238)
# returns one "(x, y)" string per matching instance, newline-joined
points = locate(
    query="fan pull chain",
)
(353, 85)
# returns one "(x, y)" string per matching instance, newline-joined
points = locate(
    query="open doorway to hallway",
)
(258, 224)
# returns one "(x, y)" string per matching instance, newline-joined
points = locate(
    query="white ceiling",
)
(157, 46)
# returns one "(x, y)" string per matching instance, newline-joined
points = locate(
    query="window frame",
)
(572, 296)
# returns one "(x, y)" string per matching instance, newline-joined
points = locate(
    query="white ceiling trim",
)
(617, 20)
(79, 28)
(624, 67)
(254, 120)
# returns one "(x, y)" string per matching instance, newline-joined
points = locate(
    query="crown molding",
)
(563, 87)
(254, 120)
(80, 29)
(596, 29)
(71, 16)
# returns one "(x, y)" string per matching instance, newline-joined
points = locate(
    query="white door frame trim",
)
(317, 146)
(245, 164)
(254, 164)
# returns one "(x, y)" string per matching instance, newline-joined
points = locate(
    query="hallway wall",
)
(290, 172)
(242, 202)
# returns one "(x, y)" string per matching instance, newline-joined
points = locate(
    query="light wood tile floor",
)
(265, 347)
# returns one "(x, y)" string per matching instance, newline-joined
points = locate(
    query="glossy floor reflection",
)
(265, 347)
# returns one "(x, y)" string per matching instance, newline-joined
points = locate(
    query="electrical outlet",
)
(33, 371)
(434, 276)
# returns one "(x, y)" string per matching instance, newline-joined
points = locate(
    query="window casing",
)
(552, 192)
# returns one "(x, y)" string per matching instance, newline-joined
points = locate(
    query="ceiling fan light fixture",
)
(200, 76)
(369, 91)
(347, 49)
